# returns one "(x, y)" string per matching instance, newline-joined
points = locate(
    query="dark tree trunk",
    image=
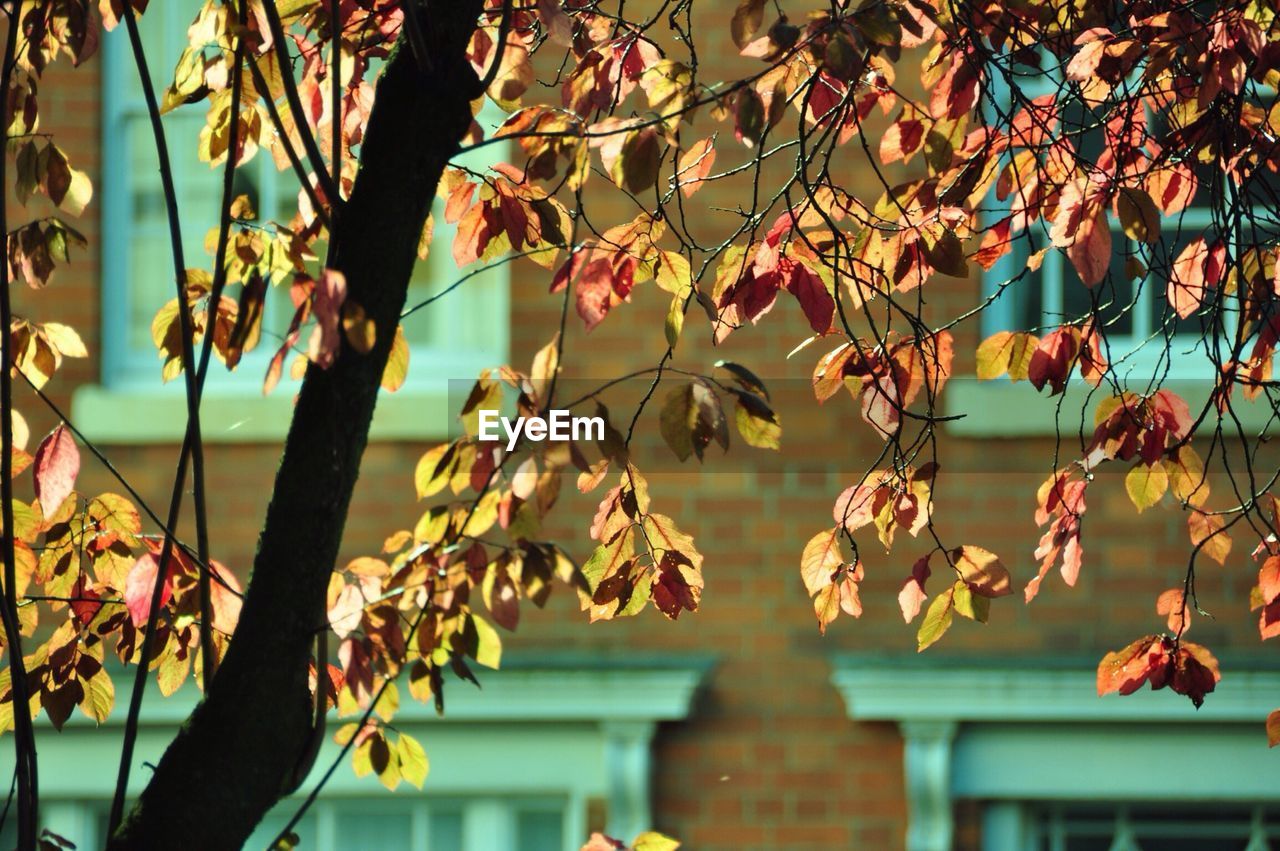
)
(236, 754)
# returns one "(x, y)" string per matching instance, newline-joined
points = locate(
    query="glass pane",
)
(444, 830)
(445, 323)
(540, 830)
(372, 831)
(1165, 827)
(1112, 298)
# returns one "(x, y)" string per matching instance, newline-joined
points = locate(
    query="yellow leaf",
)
(397, 368)
(413, 760)
(1186, 477)
(65, 339)
(1146, 484)
(432, 472)
(488, 643)
(653, 841)
(820, 559)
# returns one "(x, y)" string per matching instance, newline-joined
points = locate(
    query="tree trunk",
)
(236, 753)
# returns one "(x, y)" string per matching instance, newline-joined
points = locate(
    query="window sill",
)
(1001, 408)
(158, 415)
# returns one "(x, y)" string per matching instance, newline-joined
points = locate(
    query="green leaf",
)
(968, 604)
(937, 620)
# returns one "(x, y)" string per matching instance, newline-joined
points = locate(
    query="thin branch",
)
(192, 449)
(24, 741)
(300, 124)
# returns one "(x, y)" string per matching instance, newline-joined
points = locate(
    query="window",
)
(1134, 311)
(1144, 827)
(534, 762)
(462, 334)
(430, 824)
(1050, 766)
(381, 823)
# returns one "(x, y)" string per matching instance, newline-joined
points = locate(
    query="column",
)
(927, 765)
(628, 766)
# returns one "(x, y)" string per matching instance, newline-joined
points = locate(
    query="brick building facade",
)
(772, 754)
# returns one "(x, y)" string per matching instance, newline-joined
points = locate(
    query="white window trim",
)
(130, 406)
(536, 732)
(1000, 408)
(986, 732)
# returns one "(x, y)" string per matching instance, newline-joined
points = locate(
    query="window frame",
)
(1142, 352)
(554, 729)
(129, 380)
(959, 720)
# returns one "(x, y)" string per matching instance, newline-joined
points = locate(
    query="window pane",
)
(1112, 298)
(1171, 827)
(540, 830)
(372, 831)
(444, 830)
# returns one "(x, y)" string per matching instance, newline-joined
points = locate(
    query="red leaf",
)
(1269, 579)
(140, 586)
(224, 596)
(957, 91)
(1090, 251)
(901, 140)
(1126, 670)
(330, 293)
(1176, 609)
(818, 306)
(1199, 267)
(912, 595)
(56, 467)
(1195, 672)
(1052, 360)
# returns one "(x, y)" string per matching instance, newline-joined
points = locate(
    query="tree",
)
(1143, 110)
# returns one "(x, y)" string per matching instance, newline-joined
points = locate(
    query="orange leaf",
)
(1173, 605)
(695, 165)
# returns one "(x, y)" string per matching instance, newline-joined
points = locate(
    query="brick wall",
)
(768, 759)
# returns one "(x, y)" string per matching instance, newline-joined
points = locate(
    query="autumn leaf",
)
(1176, 609)
(912, 595)
(1126, 670)
(694, 166)
(1145, 485)
(691, 419)
(937, 620)
(57, 463)
(1198, 268)
(757, 422)
(820, 560)
(1138, 215)
(1208, 532)
(982, 571)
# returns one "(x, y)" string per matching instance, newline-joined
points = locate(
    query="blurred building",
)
(737, 727)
